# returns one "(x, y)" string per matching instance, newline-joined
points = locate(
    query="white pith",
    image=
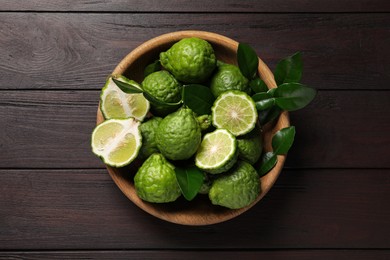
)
(111, 86)
(129, 126)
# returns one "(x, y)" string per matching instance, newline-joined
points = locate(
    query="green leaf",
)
(258, 85)
(152, 67)
(268, 115)
(247, 60)
(268, 161)
(283, 140)
(271, 91)
(198, 98)
(293, 96)
(261, 96)
(265, 104)
(289, 69)
(190, 180)
(157, 102)
(129, 87)
(263, 100)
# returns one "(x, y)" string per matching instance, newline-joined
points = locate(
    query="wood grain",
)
(197, 6)
(51, 129)
(57, 200)
(191, 254)
(83, 209)
(78, 51)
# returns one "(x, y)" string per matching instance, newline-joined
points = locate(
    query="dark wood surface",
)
(57, 200)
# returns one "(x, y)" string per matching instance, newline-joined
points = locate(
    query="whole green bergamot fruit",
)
(155, 180)
(163, 87)
(228, 77)
(191, 60)
(238, 188)
(148, 132)
(178, 136)
(250, 146)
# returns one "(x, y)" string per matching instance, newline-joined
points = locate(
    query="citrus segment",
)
(114, 103)
(117, 141)
(235, 111)
(217, 152)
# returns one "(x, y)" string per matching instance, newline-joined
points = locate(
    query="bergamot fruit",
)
(228, 77)
(114, 103)
(191, 60)
(217, 152)
(250, 146)
(117, 141)
(155, 181)
(234, 111)
(237, 188)
(179, 135)
(163, 87)
(148, 132)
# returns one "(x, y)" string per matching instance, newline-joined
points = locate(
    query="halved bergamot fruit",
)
(114, 103)
(217, 152)
(234, 111)
(117, 141)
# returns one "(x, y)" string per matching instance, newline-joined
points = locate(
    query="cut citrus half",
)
(235, 111)
(217, 152)
(117, 141)
(114, 103)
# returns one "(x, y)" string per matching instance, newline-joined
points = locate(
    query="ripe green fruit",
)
(148, 132)
(156, 181)
(250, 146)
(164, 87)
(178, 135)
(228, 77)
(238, 188)
(191, 60)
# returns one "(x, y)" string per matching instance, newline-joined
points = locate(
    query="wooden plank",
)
(83, 209)
(342, 129)
(51, 129)
(48, 129)
(78, 51)
(190, 254)
(197, 6)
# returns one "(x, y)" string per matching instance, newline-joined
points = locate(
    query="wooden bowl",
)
(200, 211)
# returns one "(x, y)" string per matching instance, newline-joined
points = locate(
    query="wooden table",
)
(57, 200)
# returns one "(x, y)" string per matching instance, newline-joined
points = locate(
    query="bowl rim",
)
(267, 181)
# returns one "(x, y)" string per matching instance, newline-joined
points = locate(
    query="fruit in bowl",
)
(193, 127)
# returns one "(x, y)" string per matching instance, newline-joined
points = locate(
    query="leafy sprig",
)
(290, 95)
